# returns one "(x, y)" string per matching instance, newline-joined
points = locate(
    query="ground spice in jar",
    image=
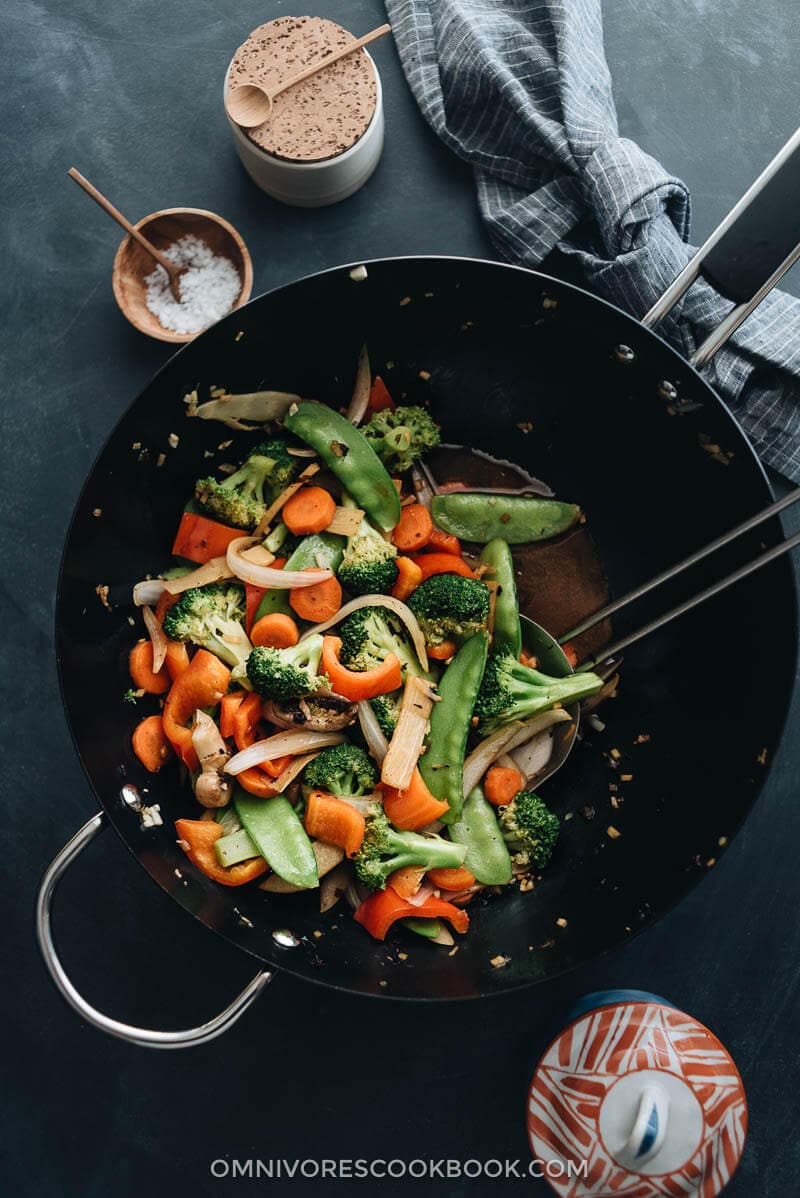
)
(322, 117)
(209, 287)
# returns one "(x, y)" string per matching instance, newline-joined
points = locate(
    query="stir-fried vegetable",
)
(518, 519)
(346, 451)
(512, 691)
(361, 706)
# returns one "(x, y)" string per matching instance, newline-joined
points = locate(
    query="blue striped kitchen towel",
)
(521, 90)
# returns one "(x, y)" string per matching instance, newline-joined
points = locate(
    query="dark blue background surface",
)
(131, 95)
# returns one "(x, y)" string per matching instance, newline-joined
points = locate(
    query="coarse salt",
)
(209, 288)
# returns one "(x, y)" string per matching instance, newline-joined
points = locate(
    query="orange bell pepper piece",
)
(442, 563)
(355, 685)
(412, 808)
(202, 684)
(385, 907)
(197, 838)
(333, 820)
(199, 539)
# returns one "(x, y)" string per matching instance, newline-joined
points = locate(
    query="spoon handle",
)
(373, 36)
(113, 212)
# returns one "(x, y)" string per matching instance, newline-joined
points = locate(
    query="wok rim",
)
(317, 978)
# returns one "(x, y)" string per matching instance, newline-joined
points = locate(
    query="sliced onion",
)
(280, 745)
(487, 752)
(421, 896)
(157, 638)
(214, 570)
(360, 401)
(531, 758)
(403, 613)
(506, 739)
(268, 576)
(443, 936)
(290, 773)
(332, 887)
(377, 743)
(148, 591)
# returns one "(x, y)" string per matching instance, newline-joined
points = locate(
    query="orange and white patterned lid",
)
(635, 1099)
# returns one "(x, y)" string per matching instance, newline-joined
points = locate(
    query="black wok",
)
(503, 346)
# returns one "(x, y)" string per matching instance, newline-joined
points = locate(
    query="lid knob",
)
(649, 1128)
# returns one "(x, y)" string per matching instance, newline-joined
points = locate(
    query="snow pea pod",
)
(507, 631)
(318, 549)
(442, 763)
(349, 455)
(487, 855)
(277, 832)
(518, 519)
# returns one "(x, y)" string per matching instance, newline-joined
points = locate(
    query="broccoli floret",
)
(287, 673)
(212, 617)
(400, 436)
(370, 634)
(450, 607)
(512, 691)
(368, 566)
(384, 850)
(243, 497)
(387, 711)
(343, 770)
(529, 829)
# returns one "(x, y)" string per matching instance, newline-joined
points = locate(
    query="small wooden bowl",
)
(132, 264)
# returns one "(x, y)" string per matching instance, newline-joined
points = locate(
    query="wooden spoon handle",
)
(360, 42)
(108, 207)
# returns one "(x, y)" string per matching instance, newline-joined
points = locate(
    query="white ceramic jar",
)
(314, 184)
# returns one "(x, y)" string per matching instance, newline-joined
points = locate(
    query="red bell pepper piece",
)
(253, 596)
(379, 397)
(385, 907)
(199, 539)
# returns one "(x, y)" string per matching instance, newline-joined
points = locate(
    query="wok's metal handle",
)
(144, 1037)
(748, 253)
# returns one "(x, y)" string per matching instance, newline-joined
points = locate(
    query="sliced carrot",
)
(202, 684)
(501, 784)
(444, 542)
(318, 602)
(150, 744)
(379, 397)
(442, 652)
(140, 668)
(529, 659)
(355, 685)
(571, 654)
(452, 879)
(442, 563)
(199, 539)
(413, 530)
(309, 510)
(406, 881)
(177, 659)
(409, 576)
(197, 838)
(413, 808)
(334, 821)
(228, 706)
(275, 631)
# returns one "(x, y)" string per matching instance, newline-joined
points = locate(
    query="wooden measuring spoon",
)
(174, 272)
(249, 104)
